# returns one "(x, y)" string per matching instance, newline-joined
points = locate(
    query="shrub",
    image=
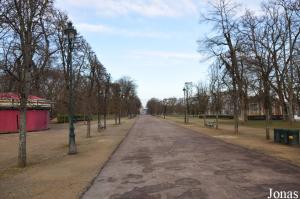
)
(63, 118)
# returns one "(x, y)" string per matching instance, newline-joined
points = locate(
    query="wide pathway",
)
(159, 160)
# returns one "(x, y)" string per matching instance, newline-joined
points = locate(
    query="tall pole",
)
(70, 32)
(164, 107)
(298, 55)
(184, 101)
(187, 105)
(187, 90)
(72, 143)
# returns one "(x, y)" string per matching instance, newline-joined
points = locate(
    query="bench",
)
(210, 124)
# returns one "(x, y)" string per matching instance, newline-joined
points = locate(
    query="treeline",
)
(34, 60)
(198, 101)
(256, 56)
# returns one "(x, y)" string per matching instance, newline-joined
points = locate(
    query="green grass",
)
(251, 123)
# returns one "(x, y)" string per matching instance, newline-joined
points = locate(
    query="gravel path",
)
(159, 160)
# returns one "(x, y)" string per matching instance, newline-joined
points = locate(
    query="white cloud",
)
(168, 55)
(149, 8)
(100, 28)
(94, 28)
(253, 5)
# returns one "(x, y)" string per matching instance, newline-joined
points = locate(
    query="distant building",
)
(37, 115)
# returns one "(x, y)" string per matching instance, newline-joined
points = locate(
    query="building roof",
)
(12, 100)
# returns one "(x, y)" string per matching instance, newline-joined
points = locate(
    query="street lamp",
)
(70, 34)
(188, 86)
(297, 59)
(184, 101)
(165, 107)
(122, 97)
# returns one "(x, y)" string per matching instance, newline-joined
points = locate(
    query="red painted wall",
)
(36, 120)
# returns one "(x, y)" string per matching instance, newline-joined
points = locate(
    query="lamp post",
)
(99, 109)
(70, 34)
(122, 96)
(188, 86)
(297, 57)
(184, 101)
(165, 107)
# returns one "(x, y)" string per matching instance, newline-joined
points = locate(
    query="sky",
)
(152, 41)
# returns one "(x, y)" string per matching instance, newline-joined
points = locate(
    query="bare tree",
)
(106, 98)
(202, 98)
(225, 45)
(22, 28)
(128, 92)
(92, 62)
(215, 90)
(116, 101)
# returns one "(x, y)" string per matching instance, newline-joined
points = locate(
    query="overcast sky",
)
(152, 41)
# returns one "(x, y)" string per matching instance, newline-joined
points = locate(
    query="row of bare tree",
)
(198, 102)
(256, 54)
(33, 60)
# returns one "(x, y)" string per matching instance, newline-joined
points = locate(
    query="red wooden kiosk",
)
(37, 116)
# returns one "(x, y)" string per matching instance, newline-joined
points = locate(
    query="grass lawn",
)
(251, 135)
(50, 172)
(250, 123)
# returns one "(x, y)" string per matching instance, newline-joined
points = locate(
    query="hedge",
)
(65, 118)
(220, 116)
(263, 117)
(250, 117)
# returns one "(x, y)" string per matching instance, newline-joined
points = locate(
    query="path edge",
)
(105, 163)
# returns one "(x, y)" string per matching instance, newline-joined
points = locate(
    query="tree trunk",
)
(116, 118)
(104, 120)
(268, 124)
(290, 109)
(242, 113)
(24, 92)
(204, 119)
(268, 109)
(84, 118)
(217, 120)
(99, 122)
(88, 132)
(105, 111)
(282, 102)
(235, 109)
(120, 116)
(22, 132)
(244, 109)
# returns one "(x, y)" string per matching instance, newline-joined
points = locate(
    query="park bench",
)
(210, 124)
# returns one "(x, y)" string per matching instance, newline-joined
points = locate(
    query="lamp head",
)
(70, 31)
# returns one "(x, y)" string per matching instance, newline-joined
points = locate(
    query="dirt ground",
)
(50, 172)
(251, 138)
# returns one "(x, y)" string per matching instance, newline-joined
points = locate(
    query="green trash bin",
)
(293, 137)
(283, 136)
(277, 135)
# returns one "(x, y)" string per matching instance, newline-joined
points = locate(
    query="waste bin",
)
(277, 135)
(293, 137)
(284, 136)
